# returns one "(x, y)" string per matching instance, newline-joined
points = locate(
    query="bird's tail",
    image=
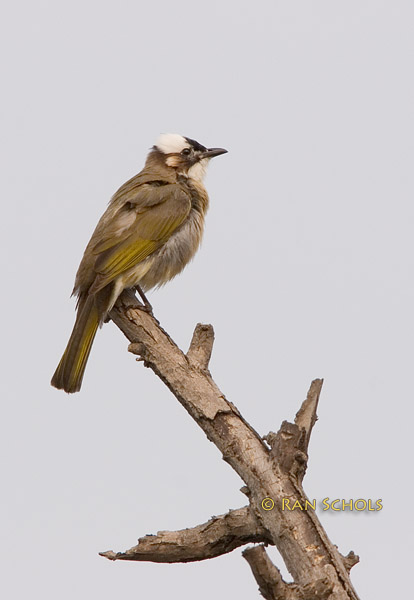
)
(69, 373)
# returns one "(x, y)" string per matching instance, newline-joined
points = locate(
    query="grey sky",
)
(306, 271)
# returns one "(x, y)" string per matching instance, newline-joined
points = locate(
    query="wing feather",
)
(143, 223)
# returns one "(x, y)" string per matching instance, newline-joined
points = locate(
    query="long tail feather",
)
(69, 373)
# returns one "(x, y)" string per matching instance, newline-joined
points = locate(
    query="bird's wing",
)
(143, 223)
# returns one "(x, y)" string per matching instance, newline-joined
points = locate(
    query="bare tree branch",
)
(273, 587)
(306, 416)
(201, 346)
(289, 447)
(218, 536)
(268, 577)
(273, 473)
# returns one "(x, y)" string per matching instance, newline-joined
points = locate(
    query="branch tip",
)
(201, 346)
(306, 416)
(109, 554)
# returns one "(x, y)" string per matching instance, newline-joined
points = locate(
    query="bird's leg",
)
(147, 306)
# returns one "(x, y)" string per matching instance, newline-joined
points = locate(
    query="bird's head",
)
(185, 155)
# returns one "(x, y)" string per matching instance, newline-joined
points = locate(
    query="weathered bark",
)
(218, 536)
(271, 584)
(272, 470)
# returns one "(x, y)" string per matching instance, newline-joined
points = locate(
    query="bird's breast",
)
(180, 248)
(173, 256)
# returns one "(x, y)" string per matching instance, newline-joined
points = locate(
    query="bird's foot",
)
(146, 307)
(138, 306)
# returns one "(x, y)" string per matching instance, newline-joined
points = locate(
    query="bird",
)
(151, 229)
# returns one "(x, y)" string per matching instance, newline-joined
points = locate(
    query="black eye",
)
(186, 151)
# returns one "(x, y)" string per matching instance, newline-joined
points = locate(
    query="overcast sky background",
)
(306, 271)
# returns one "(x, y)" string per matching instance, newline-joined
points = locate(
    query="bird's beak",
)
(211, 152)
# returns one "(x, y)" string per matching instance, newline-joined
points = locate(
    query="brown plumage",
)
(151, 229)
